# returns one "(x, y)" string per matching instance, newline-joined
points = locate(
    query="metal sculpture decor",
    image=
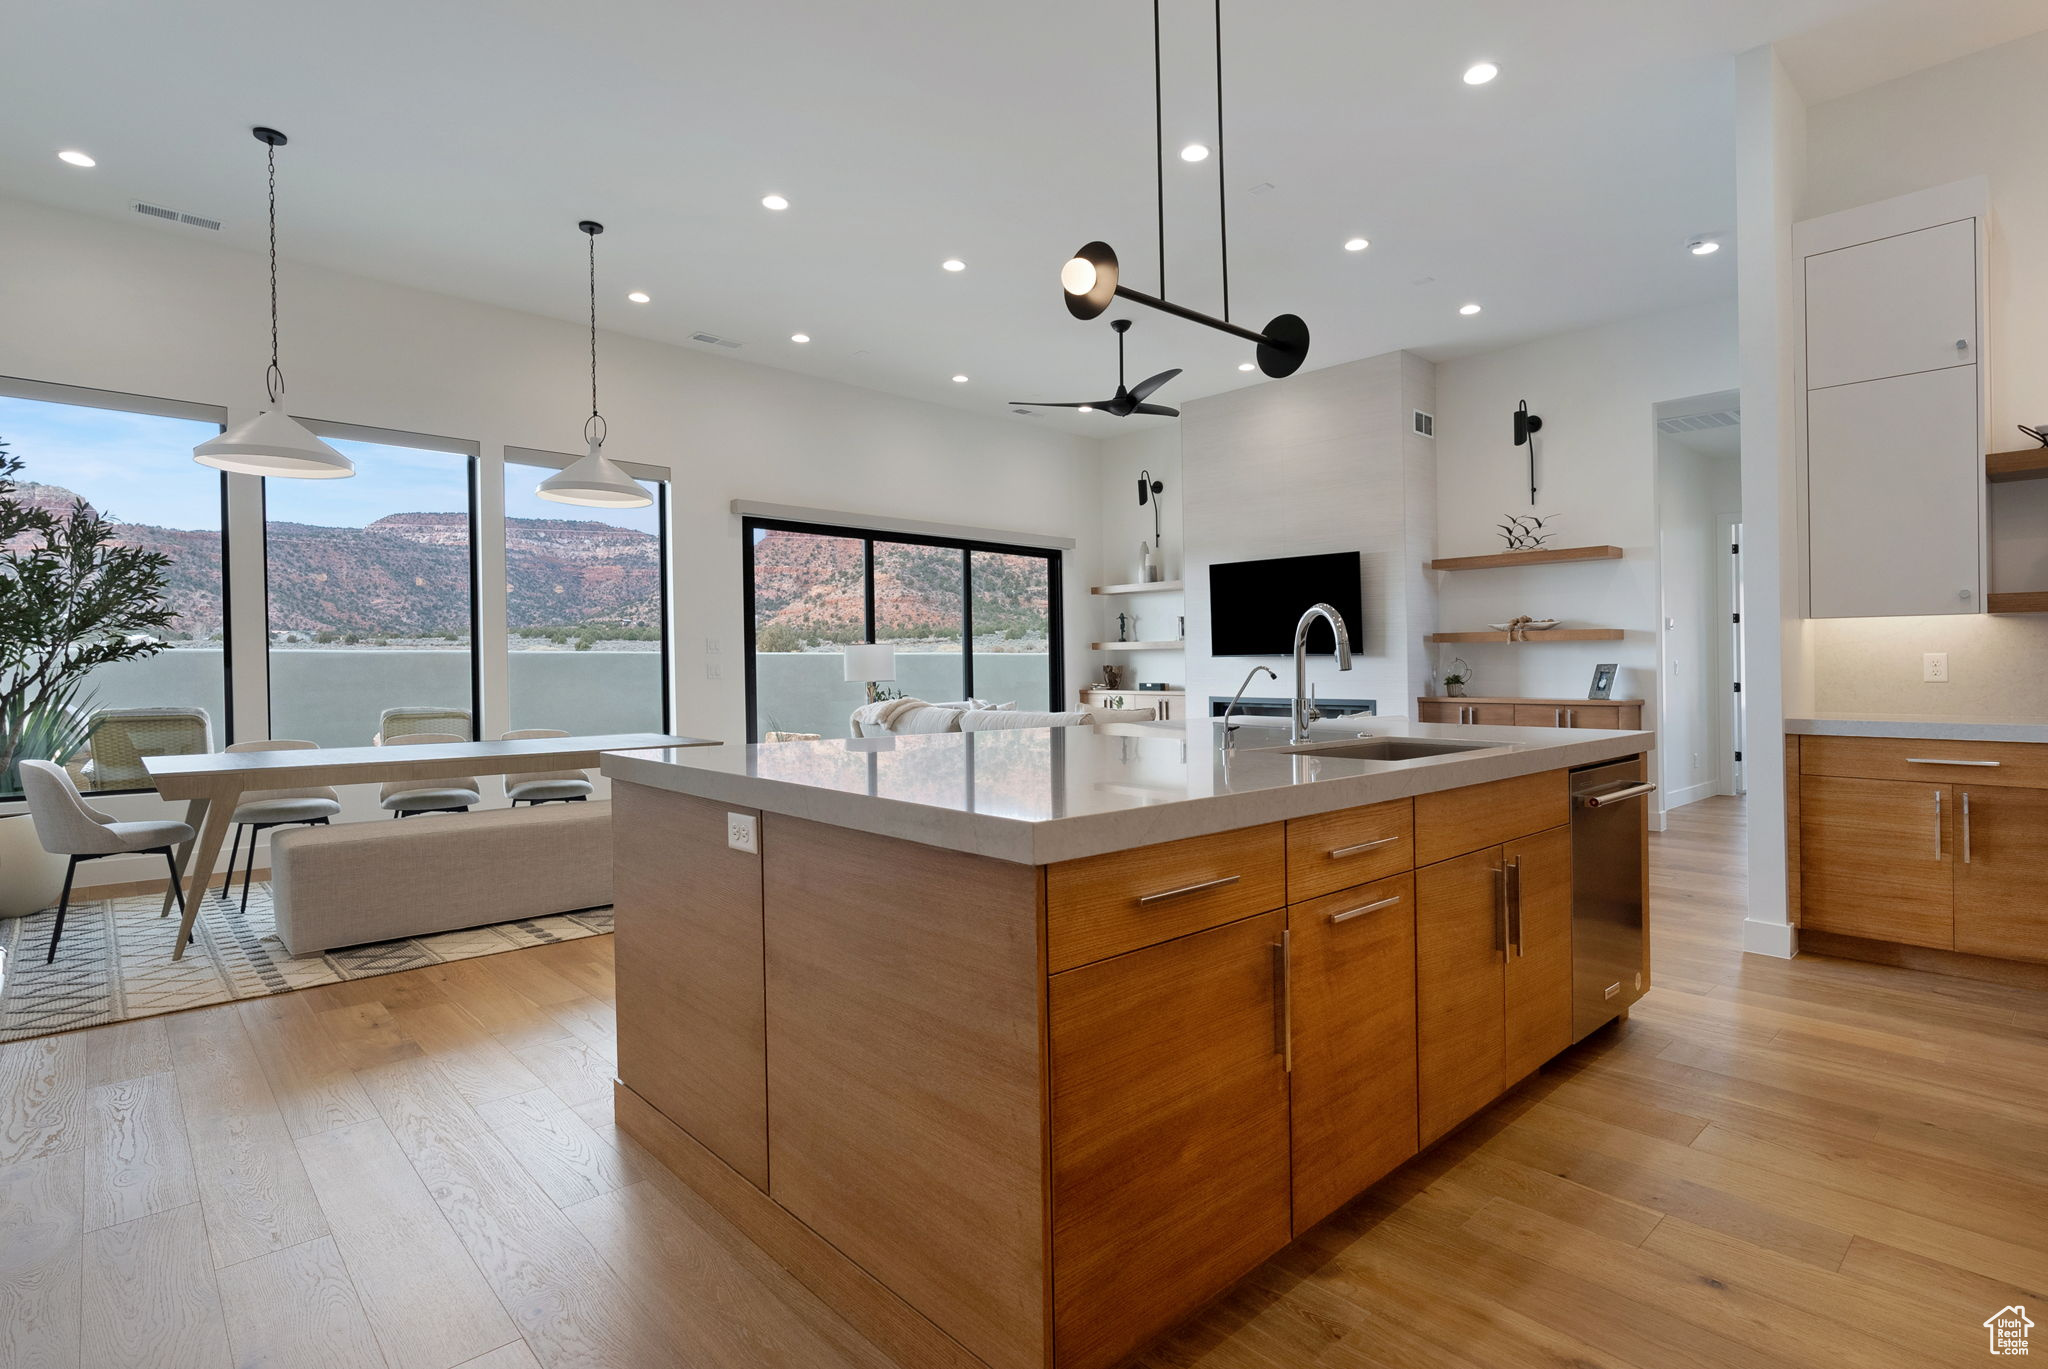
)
(1090, 277)
(1525, 532)
(1126, 401)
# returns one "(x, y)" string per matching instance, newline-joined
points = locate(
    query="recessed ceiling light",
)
(1479, 73)
(76, 158)
(799, 337)
(1194, 152)
(959, 380)
(954, 264)
(774, 202)
(1245, 366)
(1356, 244)
(639, 297)
(1085, 409)
(1703, 247)
(1468, 308)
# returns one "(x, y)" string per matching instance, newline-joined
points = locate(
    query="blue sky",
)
(139, 468)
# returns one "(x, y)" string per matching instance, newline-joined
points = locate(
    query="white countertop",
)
(1919, 727)
(1049, 794)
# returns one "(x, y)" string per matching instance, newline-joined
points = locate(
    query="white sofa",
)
(970, 716)
(379, 881)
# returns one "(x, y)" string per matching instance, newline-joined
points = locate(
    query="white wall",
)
(156, 310)
(1125, 524)
(1944, 124)
(1595, 390)
(1695, 489)
(1316, 463)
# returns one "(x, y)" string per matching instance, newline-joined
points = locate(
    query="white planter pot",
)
(30, 877)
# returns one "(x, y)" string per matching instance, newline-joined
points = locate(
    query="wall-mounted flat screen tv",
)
(1254, 605)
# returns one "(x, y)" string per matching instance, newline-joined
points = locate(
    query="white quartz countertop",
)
(1050, 794)
(1916, 727)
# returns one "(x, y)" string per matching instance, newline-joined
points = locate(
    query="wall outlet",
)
(1934, 667)
(711, 646)
(741, 833)
(713, 671)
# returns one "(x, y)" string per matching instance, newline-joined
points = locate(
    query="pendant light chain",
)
(273, 379)
(1222, 207)
(596, 428)
(1159, 149)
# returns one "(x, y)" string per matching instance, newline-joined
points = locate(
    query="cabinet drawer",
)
(1105, 905)
(1460, 820)
(2019, 764)
(1333, 851)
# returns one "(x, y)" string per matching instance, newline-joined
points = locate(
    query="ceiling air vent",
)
(713, 339)
(1693, 423)
(157, 211)
(1425, 424)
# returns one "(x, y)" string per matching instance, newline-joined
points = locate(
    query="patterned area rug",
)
(115, 959)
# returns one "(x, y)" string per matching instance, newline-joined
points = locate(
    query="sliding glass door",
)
(963, 619)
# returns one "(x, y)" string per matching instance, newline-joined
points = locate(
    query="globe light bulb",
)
(1077, 277)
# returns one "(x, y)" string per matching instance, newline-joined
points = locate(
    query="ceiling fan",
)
(1126, 401)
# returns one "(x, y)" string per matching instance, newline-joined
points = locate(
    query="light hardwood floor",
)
(1818, 1162)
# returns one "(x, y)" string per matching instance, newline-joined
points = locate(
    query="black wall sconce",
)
(1527, 425)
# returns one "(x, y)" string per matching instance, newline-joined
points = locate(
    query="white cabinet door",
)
(1892, 307)
(1894, 493)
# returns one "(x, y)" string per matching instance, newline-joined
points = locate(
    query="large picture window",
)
(372, 591)
(136, 469)
(966, 619)
(586, 610)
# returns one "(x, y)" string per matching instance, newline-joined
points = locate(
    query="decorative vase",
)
(30, 877)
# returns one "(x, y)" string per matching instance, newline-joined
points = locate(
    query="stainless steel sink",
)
(1387, 748)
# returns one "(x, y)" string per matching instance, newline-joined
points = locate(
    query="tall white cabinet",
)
(1894, 406)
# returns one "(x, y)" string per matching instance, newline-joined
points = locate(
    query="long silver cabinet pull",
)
(1936, 760)
(1343, 851)
(1350, 913)
(1571, 717)
(1283, 1001)
(1937, 824)
(1557, 717)
(1500, 908)
(1966, 827)
(1187, 889)
(1514, 883)
(1633, 791)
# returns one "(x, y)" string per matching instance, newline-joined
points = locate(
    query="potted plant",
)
(72, 599)
(1456, 678)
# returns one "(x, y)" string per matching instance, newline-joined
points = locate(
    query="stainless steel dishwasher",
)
(1609, 817)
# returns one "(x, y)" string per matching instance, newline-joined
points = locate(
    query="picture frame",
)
(1603, 682)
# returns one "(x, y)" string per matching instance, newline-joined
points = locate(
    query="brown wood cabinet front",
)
(1876, 859)
(1170, 1151)
(1460, 985)
(1539, 967)
(2001, 888)
(1353, 1019)
(1607, 716)
(1105, 905)
(1351, 846)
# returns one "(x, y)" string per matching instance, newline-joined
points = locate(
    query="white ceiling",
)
(453, 146)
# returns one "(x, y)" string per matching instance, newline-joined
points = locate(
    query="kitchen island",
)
(1016, 1047)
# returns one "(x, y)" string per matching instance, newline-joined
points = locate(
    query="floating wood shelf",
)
(1147, 587)
(1556, 634)
(2030, 601)
(1541, 556)
(1136, 646)
(2031, 464)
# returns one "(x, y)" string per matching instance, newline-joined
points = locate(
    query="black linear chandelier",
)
(1090, 278)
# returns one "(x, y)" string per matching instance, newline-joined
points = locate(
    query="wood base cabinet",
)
(1493, 973)
(1611, 715)
(1875, 859)
(2001, 892)
(1169, 1122)
(1352, 994)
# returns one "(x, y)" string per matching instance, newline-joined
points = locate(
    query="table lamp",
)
(869, 662)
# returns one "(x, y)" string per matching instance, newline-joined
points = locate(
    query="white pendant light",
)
(595, 481)
(273, 443)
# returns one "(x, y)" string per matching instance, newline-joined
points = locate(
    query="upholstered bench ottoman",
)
(379, 881)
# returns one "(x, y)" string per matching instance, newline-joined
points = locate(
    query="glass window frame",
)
(471, 453)
(85, 397)
(966, 546)
(663, 481)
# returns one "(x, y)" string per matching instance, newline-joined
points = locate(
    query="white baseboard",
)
(1692, 793)
(1779, 939)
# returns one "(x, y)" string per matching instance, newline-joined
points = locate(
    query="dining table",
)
(212, 784)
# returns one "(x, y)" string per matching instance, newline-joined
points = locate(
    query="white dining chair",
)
(545, 786)
(66, 825)
(266, 808)
(403, 798)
